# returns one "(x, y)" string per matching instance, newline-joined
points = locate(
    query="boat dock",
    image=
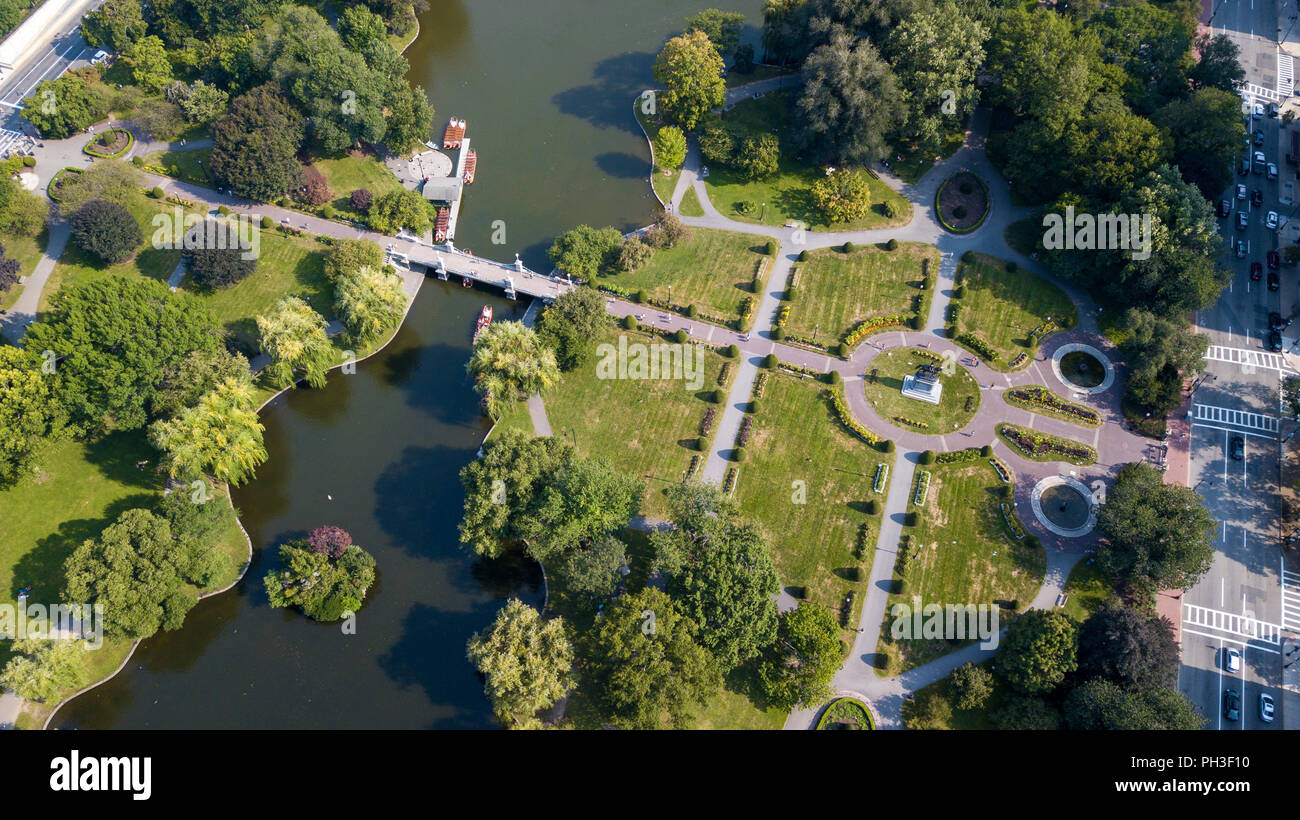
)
(447, 191)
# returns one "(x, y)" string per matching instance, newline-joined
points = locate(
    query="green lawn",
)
(1086, 590)
(962, 552)
(806, 480)
(934, 707)
(915, 164)
(836, 290)
(691, 204)
(884, 381)
(1003, 307)
(712, 269)
(190, 166)
(761, 71)
(348, 173)
(28, 250)
(663, 181)
(643, 427)
(786, 195)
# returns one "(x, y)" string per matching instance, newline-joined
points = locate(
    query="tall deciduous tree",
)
(398, 210)
(849, 103)
(584, 250)
(690, 70)
(670, 147)
(1039, 650)
(1103, 704)
(221, 436)
(509, 364)
(527, 663)
(255, 145)
(62, 107)
(641, 662)
(1128, 647)
(798, 667)
(1219, 66)
(571, 325)
(370, 301)
(42, 669)
(1206, 132)
(721, 27)
(584, 502)
(501, 484)
(28, 412)
(1155, 533)
(293, 335)
(150, 68)
(106, 230)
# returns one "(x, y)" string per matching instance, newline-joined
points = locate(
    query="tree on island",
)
(221, 435)
(796, 670)
(641, 662)
(690, 70)
(526, 662)
(1154, 534)
(1039, 651)
(293, 335)
(509, 363)
(322, 586)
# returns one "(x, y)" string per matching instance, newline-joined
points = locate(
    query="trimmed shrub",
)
(738, 454)
(927, 457)
(987, 451)
(887, 446)
(778, 333)
(267, 223)
(701, 444)
(680, 337)
(848, 247)
(959, 212)
(641, 297)
(136, 161)
(692, 311)
(223, 210)
(629, 322)
(834, 377)
(771, 247)
(753, 405)
(911, 518)
(157, 192)
(925, 283)
(732, 351)
(1011, 267)
(959, 292)
(717, 397)
(917, 322)
(873, 507)
(803, 256)
(892, 245)
(770, 361)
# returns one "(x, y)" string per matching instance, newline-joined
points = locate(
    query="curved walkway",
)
(1114, 443)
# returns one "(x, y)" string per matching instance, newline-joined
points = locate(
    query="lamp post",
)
(763, 217)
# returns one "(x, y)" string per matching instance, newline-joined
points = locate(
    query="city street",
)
(1237, 433)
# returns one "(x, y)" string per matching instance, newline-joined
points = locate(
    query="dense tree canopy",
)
(690, 71)
(106, 230)
(43, 669)
(850, 102)
(110, 180)
(28, 412)
(1103, 704)
(1155, 533)
(1128, 647)
(582, 251)
(796, 670)
(1039, 650)
(721, 27)
(323, 587)
(401, 209)
(509, 363)
(255, 145)
(370, 301)
(114, 339)
(571, 325)
(221, 436)
(586, 500)
(501, 484)
(293, 335)
(62, 107)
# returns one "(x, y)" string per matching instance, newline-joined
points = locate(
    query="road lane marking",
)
(1241, 643)
(1246, 433)
(1232, 623)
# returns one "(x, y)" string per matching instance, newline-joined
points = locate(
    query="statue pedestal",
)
(926, 391)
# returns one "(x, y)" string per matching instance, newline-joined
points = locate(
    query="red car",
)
(1256, 271)
(1274, 260)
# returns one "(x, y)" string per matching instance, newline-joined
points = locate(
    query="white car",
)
(1271, 220)
(1231, 660)
(1259, 111)
(1265, 707)
(99, 58)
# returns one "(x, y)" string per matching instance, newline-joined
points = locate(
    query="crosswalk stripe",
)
(1232, 623)
(1240, 418)
(1285, 75)
(1260, 91)
(1248, 358)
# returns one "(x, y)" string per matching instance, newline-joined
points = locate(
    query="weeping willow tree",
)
(509, 364)
(293, 335)
(220, 435)
(370, 301)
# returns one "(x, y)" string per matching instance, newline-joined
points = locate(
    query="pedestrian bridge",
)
(445, 261)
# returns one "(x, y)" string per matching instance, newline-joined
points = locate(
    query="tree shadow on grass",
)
(116, 457)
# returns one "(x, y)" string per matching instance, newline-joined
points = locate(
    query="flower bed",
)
(977, 346)
(800, 370)
(742, 437)
(695, 465)
(882, 475)
(958, 456)
(1042, 447)
(918, 424)
(746, 313)
(781, 316)
(724, 374)
(846, 713)
(729, 483)
(868, 326)
(1012, 522)
(949, 196)
(1038, 398)
(922, 487)
(706, 423)
(122, 142)
(58, 180)
(759, 383)
(847, 419)
(1019, 360)
(1002, 471)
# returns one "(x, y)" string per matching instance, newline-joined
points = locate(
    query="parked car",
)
(1271, 220)
(1270, 171)
(1258, 110)
(1225, 207)
(1273, 282)
(1275, 341)
(1271, 110)
(1241, 191)
(1242, 220)
(1275, 321)
(1231, 704)
(1244, 167)
(1231, 657)
(1259, 138)
(1274, 259)
(1265, 707)
(1256, 271)
(1256, 197)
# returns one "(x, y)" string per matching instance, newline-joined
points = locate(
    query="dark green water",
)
(547, 90)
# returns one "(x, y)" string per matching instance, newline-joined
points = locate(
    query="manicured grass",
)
(836, 290)
(961, 552)
(691, 204)
(807, 481)
(1003, 307)
(76, 266)
(285, 266)
(712, 270)
(190, 166)
(1086, 590)
(647, 428)
(914, 164)
(348, 173)
(787, 193)
(957, 406)
(933, 707)
(28, 250)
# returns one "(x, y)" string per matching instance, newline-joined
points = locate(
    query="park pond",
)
(547, 90)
